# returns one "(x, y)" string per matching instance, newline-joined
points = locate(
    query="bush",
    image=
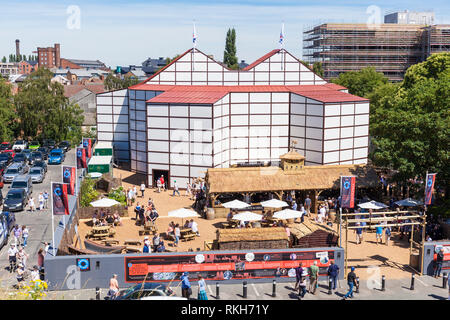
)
(118, 195)
(88, 192)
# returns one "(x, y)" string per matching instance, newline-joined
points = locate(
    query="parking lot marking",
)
(421, 282)
(209, 289)
(254, 288)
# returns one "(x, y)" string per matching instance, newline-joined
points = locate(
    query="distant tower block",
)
(17, 48)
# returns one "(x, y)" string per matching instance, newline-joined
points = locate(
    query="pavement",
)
(39, 223)
(425, 288)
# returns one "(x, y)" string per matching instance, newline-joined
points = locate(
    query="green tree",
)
(4, 59)
(410, 121)
(44, 112)
(318, 68)
(115, 83)
(362, 82)
(7, 113)
(88, 193)
(229, 56)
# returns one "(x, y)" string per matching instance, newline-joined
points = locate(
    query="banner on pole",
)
(348, 191)
(69, 175)
(431, 177)
(60, 199)
(81, 158)
(87, 144)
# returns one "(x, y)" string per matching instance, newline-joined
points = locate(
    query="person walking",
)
(188, 190)
(387, 235)
(12, 257)
(20, 272)
(113, 286)
(175, 188)
(40, 264)
(177, 234)
(45, 195)
(35, 274)
(41, 201)
(298, 275)
(25, 234)
(186, 290)
(379, 234)
(130, 197)
(31, 204)
(17, 231)
(194, 227)
(308, 205)
(351, 281)
(22, 256)
(313, 275)
(163, 184)
(439, 260)
(201, 288)
(136, 211)
(302, 284)
(156, 241)
(333, 272)
(142, 189)
(359, 232)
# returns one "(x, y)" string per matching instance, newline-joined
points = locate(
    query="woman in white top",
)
(41, 201)
(22, 257)
(31, 204)
(25, 234)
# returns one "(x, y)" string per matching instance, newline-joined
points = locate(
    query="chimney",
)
(17, 48)
(57, 55)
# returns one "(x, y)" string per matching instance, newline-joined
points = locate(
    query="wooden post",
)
(411, 241)
(316, 202)
(424, 224)
(346, 248)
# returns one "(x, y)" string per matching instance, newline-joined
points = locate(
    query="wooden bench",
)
(132, 242)
(78, 251)
(133, 249)
(188, 236)
(110, 241)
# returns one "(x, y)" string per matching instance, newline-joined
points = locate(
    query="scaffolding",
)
(390, 48)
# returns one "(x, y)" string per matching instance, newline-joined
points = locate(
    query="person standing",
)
(175, 188)
(45, 195)
(40, 260)
(136, 211)
(194, 227)
(298, 275)
(439, 261)
(130, 197)
(351, 281)
(333, 273)
(31, 204)
(188, 190)
(17, 232)
(313, 275)
(379, 234)
(35, 274)
(308, 205)
(186, 290)
(302, 284)
(146, 248)
(135, 193)
(294, 205)
(41, 201)
(142, 189)
(177, 234)
(12, 257)
(358, 231)
(387, 235)
(201, 288)
(113, 286)
(156, 241)
(163, 184)
(22, 256)
(20, 273)
(25, 234)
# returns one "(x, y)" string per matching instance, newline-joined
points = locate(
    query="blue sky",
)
(127, 32)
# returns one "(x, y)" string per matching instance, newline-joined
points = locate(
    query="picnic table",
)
(132, 242)
(109, 242)
(101, 232)
(187, 234)
(229, 224)
(133, 249)
(149, 228)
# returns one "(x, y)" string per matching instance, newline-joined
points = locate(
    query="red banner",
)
(431, 177)
(81, 158)
(87, 144)
(60, 199)
(69, 178)
(348, 192)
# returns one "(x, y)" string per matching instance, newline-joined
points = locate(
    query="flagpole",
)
(53, 222)
(194, 39)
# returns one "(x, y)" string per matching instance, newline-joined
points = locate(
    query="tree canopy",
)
(362, 82)
(229, 56)
(6, 111)
(410, 123)
(43, 111)
(115, 83)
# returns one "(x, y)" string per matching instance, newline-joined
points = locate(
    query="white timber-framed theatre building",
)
(196, 114)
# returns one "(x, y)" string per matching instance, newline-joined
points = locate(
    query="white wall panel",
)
(198, 172)
(259, 120)
(140, 95)
(201, 124)
(158, 122)
(260, 153)
(105, 136)
(298, 120)
(104, 127)
(297, 108)
(331, 122)
(120, 136)
(238, 97)
(238, 143)
(346, 132)
(259, 108)
(104, 109)
(348, 109)
(329, 157)
(347, 143)
(347, 121)
(313, 156)
(158, 134)
(120, 110)
(331, 134)
(155, 166)
(179, 111)
(104, 118)
(275, 153)
(315, 110)
(259, 97)
(280, 119)
(179, 123)
(361, 119)
(280, 131)
(315, 145)
(280, 108)
(259, 131)
(331, 145)
(104, 100)
(295, 98)
(120, 127)
(239, 108)
(261, 77)
(201, 112)
(361, 142)
(314, 133)
(361, 108)
(346, 155)
(260, 142)
(179, 158)
(361, 131)
(332, 110)
(158, 146)
(360, 153)
(158, 110)
(314, 122)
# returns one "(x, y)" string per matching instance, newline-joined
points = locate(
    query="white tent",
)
(287, 214)
(183, 213)
(235, 204)
(372, 205)
(274, 203)
(247, 216)
(105, 203)
(94, 175)
(409, 203)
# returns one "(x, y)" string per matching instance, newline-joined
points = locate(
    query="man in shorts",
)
(113, 286)
(359, 231)
(379, 234)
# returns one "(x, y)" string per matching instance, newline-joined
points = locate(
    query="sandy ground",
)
(370, 259)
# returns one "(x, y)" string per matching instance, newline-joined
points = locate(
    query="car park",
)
(56, 156)
(41, 164)
(34, 145)
(20, 158)
(27, 153)
(7, 222)
(49, 144)
(23, 182)
(147, 291)
(5, 146)
(44, 151)
(14, 170)
(37, 174)
(15, 200)
(64, 145)
(35, 156)
(5, 158)
(20, 145)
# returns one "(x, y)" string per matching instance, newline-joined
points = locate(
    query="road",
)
(39, 223)
(425, 288)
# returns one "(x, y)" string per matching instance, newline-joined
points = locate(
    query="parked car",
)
(7, 222)
(147, 291)
(5, 158)
(35, 156)
(5, 146)
(14, 170)
(11, 152)
(44, 151)
(56, 156)
(34, 145)
(27, 153)
(41, 164)
(3, 167)
(20, 158)
(15, 200)
(20, 145)
(23, 182)
(49, 144)
(37, 174)
(64, 145)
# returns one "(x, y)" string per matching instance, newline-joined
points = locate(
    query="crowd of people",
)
(106, 218)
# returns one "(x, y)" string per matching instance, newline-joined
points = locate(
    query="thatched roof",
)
(292, 155)
(266, 179)
(308, 227)
(251, 234)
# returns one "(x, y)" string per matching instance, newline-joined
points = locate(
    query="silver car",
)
(23, 182)
(37, 174)
(14, 170)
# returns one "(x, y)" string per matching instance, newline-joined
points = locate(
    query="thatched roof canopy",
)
(266, 179)
(251, 234)
(292, 155)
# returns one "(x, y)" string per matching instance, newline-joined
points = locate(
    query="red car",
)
(5, 146)
(13, 154)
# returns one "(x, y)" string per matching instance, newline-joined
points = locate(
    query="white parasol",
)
(274, 203)
(183, 213)
(372, 205)
(105, 203)
(235, 204)
(247, 216)
(287, 214)
(409, 203)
